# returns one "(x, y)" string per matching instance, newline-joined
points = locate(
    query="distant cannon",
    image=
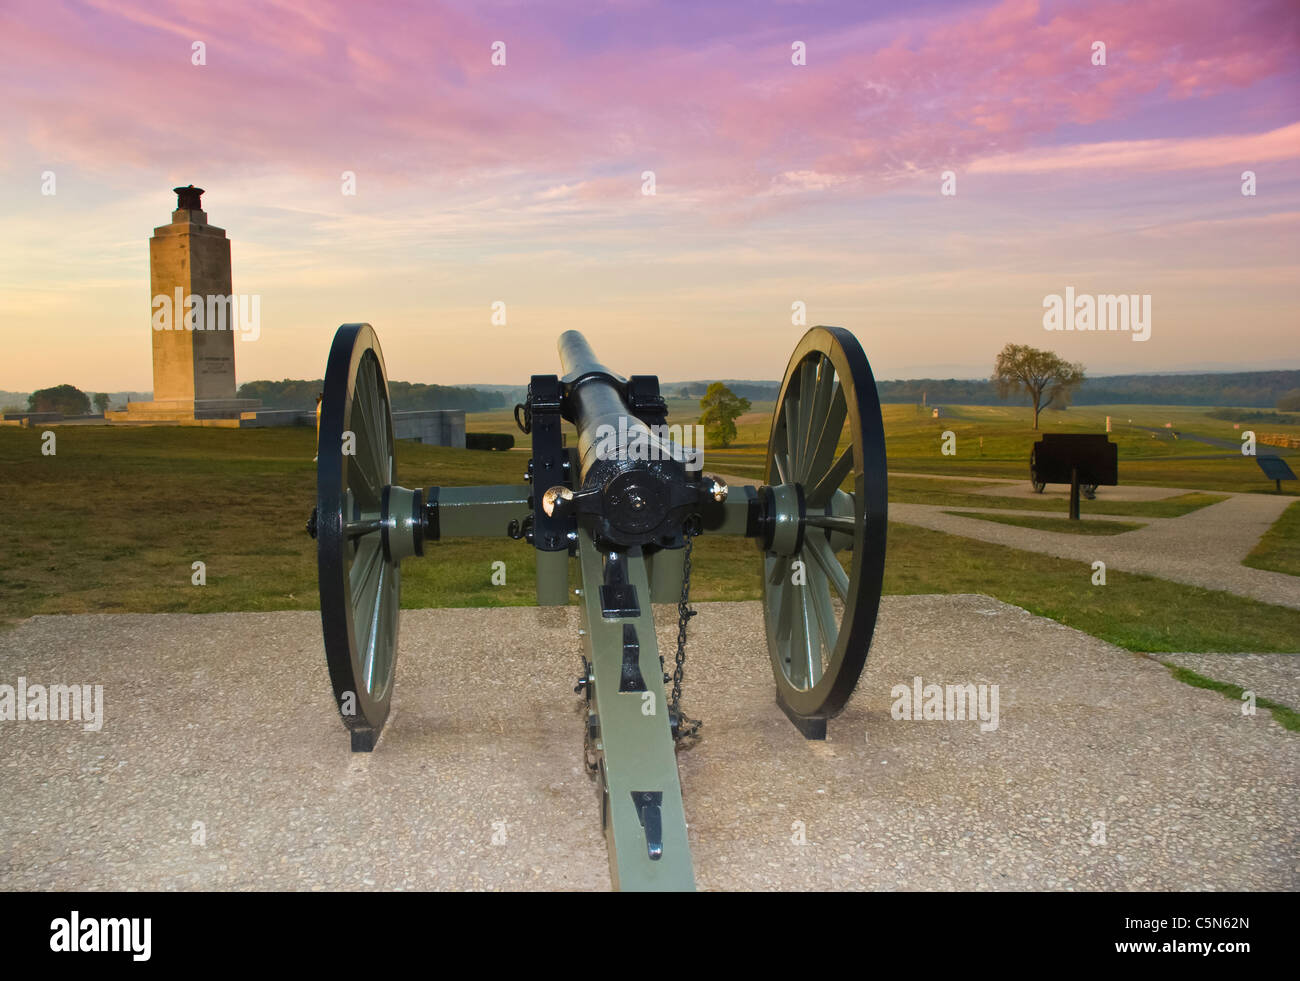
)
(627, 503)
(1082, 460)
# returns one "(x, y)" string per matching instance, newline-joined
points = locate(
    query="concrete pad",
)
(228, 720)
(1272, 676)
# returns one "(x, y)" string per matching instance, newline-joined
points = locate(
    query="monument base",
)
(182, 412)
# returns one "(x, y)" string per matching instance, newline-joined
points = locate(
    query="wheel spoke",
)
(780, 455)
(800, 641)
(374, 643)
(824, 557)
(818, 420)
(781, 598)
(830, 483)
(791, 409)
(778, 582)
(823, 449)
(358, 479)
(373, 410)
(807, 396)
(819, 591)
(360, 463)
(383, 448)
(385, 640)
(364, 579)
(362, 426)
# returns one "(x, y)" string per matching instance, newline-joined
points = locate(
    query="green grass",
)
(113, 522)
(914, 441)
(1279, 549)
(1054, 524)
(994, 441)
(1286, 717)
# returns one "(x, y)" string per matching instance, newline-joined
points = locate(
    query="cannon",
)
(626, 503)
(1083, 460)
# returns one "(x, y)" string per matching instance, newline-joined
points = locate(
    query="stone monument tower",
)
(195, 316)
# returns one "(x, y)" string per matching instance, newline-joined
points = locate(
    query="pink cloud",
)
(408, 95)
(1151, 155)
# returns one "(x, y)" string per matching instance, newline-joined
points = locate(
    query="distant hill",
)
(1244, 388)
(300, 394)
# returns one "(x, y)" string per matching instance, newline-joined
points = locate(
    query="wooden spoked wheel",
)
(827, 505)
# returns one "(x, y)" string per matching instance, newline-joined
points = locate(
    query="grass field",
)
(994, 441)
(114, 521)
(1279, 549)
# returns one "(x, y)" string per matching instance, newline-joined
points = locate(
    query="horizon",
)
(483, 385)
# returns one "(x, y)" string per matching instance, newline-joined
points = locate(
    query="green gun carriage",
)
(626, 503)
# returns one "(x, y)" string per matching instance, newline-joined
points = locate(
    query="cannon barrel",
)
(640, 475)
(607, 429)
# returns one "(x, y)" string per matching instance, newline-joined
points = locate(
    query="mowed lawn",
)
(114, 521)
(1279, 549)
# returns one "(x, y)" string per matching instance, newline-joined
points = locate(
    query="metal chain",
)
(685, 726)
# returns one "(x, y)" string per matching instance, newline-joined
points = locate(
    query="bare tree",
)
(1041, 375)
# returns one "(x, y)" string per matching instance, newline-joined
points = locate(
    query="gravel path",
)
(1203, 548)
(1061, 492)
(1103, 772)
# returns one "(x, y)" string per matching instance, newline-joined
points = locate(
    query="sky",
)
(775, 183)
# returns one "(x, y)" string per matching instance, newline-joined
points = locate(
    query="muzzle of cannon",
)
(627, 503)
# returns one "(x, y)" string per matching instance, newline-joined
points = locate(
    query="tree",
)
(101, 403)
(1289, 401)
(1041, 375)
(67, 399)
(721, 408)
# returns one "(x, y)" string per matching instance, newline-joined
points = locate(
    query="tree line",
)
(301, 394)
(1255, 389)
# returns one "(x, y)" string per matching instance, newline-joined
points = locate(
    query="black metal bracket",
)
(550, 463)
(644, 400)
(649, 805)
(618, 597)
(363, 740)
(809, 726)
(630, 677)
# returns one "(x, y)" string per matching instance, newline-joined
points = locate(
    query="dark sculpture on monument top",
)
(187, 198)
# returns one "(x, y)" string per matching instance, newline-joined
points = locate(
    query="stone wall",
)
(432, 427)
